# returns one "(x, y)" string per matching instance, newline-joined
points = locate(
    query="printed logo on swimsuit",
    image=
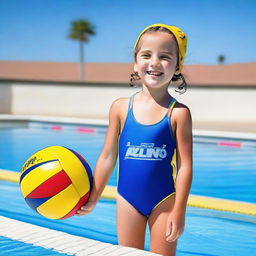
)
(145, 151)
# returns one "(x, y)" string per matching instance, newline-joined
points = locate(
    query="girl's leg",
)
(131, 225)
(157, 224)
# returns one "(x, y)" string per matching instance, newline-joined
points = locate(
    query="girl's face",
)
(156, 60)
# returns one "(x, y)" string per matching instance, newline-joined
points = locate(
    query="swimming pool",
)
(224, 171)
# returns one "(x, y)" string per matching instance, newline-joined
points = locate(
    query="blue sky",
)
(35, 30)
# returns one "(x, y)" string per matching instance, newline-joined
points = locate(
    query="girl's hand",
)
(175, 226)
(85, 209)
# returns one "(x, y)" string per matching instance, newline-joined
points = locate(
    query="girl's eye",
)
(145, 55)
(165, 57)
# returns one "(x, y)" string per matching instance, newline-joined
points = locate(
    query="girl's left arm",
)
(176, 221)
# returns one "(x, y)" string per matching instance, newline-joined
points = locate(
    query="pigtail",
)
(182, 87)
(133, 79)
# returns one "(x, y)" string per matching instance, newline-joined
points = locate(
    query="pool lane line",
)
(212, 203)
(61, 241)
(87, 130)
(110, 192)
(9, 175)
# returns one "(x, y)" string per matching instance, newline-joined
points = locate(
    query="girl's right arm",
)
(106, 161)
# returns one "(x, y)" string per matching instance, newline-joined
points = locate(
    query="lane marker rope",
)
(110, 192)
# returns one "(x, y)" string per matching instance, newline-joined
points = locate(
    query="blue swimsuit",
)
(147, 162)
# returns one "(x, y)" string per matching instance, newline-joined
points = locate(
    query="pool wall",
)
(210, 105)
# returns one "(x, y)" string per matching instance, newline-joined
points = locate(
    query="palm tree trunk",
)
(81, 60)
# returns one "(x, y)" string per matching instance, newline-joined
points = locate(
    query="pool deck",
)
(62, 242)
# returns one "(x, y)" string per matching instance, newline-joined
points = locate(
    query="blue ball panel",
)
(35, 202)
(86, 166)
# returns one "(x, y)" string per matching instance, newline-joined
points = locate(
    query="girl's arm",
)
(106, 161)
(175, 224)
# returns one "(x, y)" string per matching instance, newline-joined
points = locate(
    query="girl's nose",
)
(154, 61)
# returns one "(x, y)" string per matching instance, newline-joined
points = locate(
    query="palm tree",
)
(221, 59)
(81, 30)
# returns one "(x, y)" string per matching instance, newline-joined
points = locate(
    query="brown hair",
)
(182, 87)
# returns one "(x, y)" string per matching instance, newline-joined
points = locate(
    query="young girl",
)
(152, 133)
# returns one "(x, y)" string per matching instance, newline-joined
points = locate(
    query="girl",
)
(152, 133)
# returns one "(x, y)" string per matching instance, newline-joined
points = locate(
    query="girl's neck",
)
(159, 95)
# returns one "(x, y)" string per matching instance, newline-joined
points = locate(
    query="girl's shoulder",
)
(179, 105)
(120, 103)
(120, 106)
(181, 112)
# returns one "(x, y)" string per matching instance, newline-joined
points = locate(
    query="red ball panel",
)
(52, 186)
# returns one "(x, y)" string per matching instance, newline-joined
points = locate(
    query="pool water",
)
(224, 172)
(219, 171)
(18, 248)
(207, 232)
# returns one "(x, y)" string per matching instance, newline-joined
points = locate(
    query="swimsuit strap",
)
(172, 103)
(171, 106)
(131, 101)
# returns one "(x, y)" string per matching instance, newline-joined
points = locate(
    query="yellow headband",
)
(180, 38)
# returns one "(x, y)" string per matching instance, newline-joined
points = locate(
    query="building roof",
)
(228, 74)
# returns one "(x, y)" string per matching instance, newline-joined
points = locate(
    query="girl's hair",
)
(182, 87)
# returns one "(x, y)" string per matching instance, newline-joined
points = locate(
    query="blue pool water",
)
(207, 232)
(18, 248)
(224, 172)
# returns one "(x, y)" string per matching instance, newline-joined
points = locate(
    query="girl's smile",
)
(154, 73)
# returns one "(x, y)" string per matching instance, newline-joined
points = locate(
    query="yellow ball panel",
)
(39, 175)
(61, 204)
(37, 158)
(73, 168)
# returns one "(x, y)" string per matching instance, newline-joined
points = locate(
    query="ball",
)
(56, 181)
